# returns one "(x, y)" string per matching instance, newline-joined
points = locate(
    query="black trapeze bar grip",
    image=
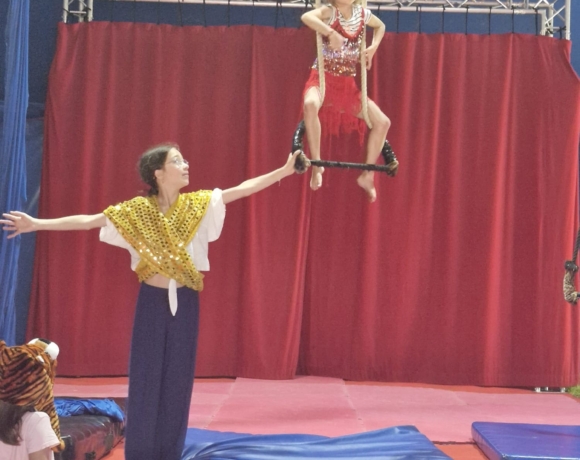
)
(342, 164)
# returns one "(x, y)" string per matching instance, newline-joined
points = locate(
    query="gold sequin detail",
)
(160, 240)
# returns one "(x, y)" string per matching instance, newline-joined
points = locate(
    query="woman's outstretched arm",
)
(256, 184)
(17, 222)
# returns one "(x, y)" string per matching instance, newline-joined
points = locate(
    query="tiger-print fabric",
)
(27, 377)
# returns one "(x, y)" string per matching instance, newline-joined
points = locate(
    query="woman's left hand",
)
(288, 168)
(369, 53)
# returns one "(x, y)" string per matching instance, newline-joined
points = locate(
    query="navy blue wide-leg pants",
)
(161, 371)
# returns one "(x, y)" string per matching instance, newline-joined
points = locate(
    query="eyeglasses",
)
(179, 162)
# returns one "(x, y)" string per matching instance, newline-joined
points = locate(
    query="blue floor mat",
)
(402, 442)
(523, 441)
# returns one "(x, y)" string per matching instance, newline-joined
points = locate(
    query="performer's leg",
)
(312, 105)
(375, 142)
(178, 373)
(145, 374)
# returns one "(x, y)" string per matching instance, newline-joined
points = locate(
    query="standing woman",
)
(167, 234)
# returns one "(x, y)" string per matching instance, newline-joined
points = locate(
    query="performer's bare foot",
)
(316, 180)
(367, 182)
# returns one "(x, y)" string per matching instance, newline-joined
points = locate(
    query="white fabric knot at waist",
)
(172, 293)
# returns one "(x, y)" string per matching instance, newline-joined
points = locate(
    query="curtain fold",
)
(13, 155)
(453, 276)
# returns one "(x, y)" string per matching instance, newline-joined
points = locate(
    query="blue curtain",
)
(13, 155)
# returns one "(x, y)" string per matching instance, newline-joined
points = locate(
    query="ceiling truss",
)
(554, 14)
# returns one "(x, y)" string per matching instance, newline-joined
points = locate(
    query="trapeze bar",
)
(342, 164)
(302, 163)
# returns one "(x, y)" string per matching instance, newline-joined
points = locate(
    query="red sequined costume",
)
(342, 97)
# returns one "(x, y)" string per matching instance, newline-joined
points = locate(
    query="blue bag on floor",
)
(66, 407)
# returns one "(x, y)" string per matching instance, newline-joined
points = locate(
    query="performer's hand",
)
(369, 53)
(289, 166)
(336, 40)
(17, 222)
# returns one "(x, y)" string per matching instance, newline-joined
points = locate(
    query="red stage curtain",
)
(453, 276)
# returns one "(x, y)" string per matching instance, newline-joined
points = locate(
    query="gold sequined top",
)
(342, 63)
(161, 240)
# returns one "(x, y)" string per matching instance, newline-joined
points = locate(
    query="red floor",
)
(332, 407)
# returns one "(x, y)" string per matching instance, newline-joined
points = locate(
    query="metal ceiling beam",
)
(554, 14)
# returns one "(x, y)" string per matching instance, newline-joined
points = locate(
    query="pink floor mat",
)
(330, 407)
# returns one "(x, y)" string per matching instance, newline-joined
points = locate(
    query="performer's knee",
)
(310, 108)
(383, 123)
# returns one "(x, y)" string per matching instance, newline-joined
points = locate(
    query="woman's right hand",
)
(17, 222)
(336, 41)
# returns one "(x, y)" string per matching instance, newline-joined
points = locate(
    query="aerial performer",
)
(331, 96)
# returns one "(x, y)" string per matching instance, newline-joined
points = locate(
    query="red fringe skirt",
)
(341, 104)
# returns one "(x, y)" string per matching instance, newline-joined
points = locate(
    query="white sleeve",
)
(368, 15)
(213, 221)
(109, 234)
(209, 229)
(37, 433)
(332, 15)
